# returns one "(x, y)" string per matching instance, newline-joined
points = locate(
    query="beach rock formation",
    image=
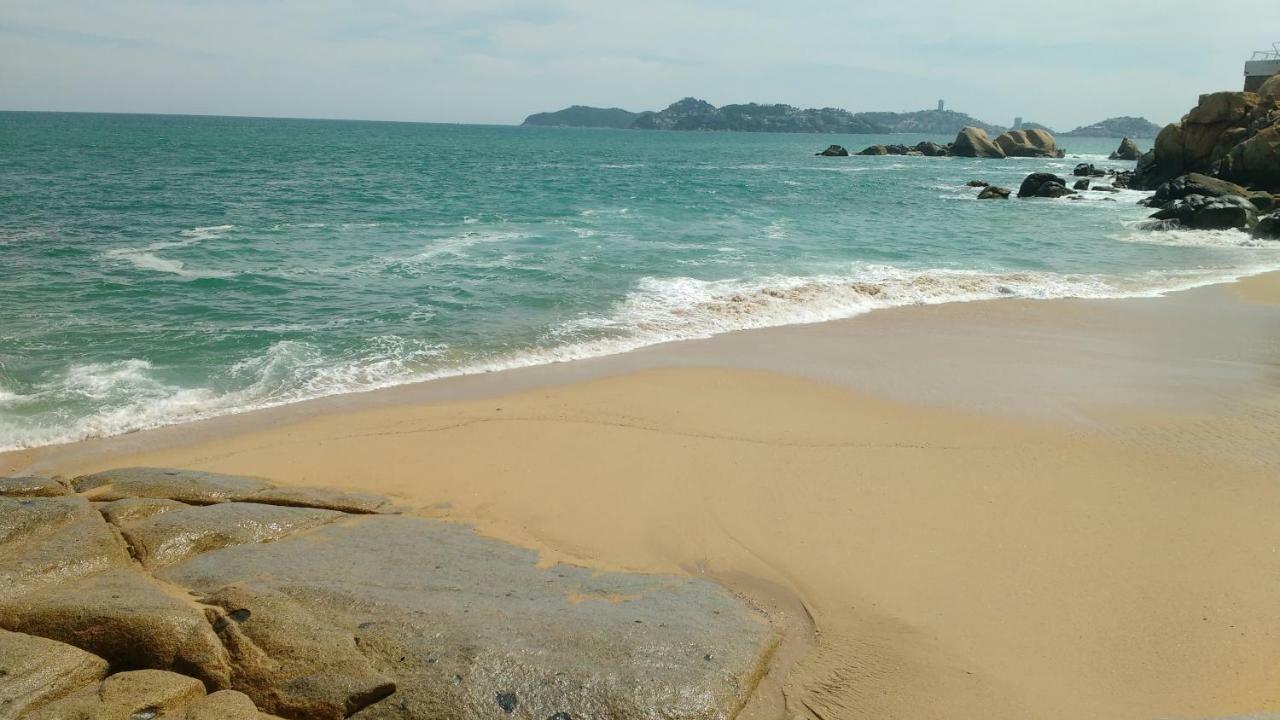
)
(1044, 185)
(974, 142)
(1027, 143)
(994, 192)
(1232, 135)
(833, 151)
(1128, 150)
(142, 589)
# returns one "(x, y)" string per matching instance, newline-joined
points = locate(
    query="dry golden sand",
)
(955, 563)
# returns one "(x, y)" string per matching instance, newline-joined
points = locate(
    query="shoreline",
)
(466, 383)
(983, 506)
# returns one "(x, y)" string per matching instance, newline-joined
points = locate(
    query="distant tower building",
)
(1017, 123)
(941, 106)
(1261, 66)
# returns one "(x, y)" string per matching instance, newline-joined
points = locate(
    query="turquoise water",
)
(162, 269)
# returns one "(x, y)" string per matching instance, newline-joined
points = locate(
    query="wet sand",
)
(1006, 509)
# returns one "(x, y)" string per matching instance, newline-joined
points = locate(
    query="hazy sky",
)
(495, 61)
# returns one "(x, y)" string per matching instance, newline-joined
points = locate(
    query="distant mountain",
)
(583, 116)
(1118, 127)
(931, 122)
(694, 114)
(1034, 126)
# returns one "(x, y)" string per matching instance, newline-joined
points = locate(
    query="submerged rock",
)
(993, 192)
(833, 151)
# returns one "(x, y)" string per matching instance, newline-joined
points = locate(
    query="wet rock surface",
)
(309, 603)
(35, 671)
(32, 487)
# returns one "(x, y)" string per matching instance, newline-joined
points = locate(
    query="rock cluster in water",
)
(145, 593)
(971, 142)
(1218, 167)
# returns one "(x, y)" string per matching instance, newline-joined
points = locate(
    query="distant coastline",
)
(694, 114)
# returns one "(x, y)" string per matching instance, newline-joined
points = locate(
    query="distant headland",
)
(694, 114)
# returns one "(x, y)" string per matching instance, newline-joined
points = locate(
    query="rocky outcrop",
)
(833, 151)
(977, 183)
(184, 582)
(994, 192)
(1027, 143)
(1128, 150)
(32, 487)
(974, 142)
(1088, 170)
(875, 150)
(1082, 184)
(1256, 161)
(1208, 140)
(1044, 185)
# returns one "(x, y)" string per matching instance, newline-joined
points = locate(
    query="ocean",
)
(161, 269)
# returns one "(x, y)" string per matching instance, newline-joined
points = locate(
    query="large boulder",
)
(1199, 212)
(973, 142)
(1044, 185)
(1128, 150)
(994, 192)
(833, 151)
(1027, 143)
(1256, 161)
(875, 150)
(1201, 139)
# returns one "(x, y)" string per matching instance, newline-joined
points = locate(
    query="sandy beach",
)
(1004, 509)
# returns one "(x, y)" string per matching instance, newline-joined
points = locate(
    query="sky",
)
(496, 61)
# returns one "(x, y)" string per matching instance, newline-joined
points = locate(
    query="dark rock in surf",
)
(1044, 185)
(833, 151)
